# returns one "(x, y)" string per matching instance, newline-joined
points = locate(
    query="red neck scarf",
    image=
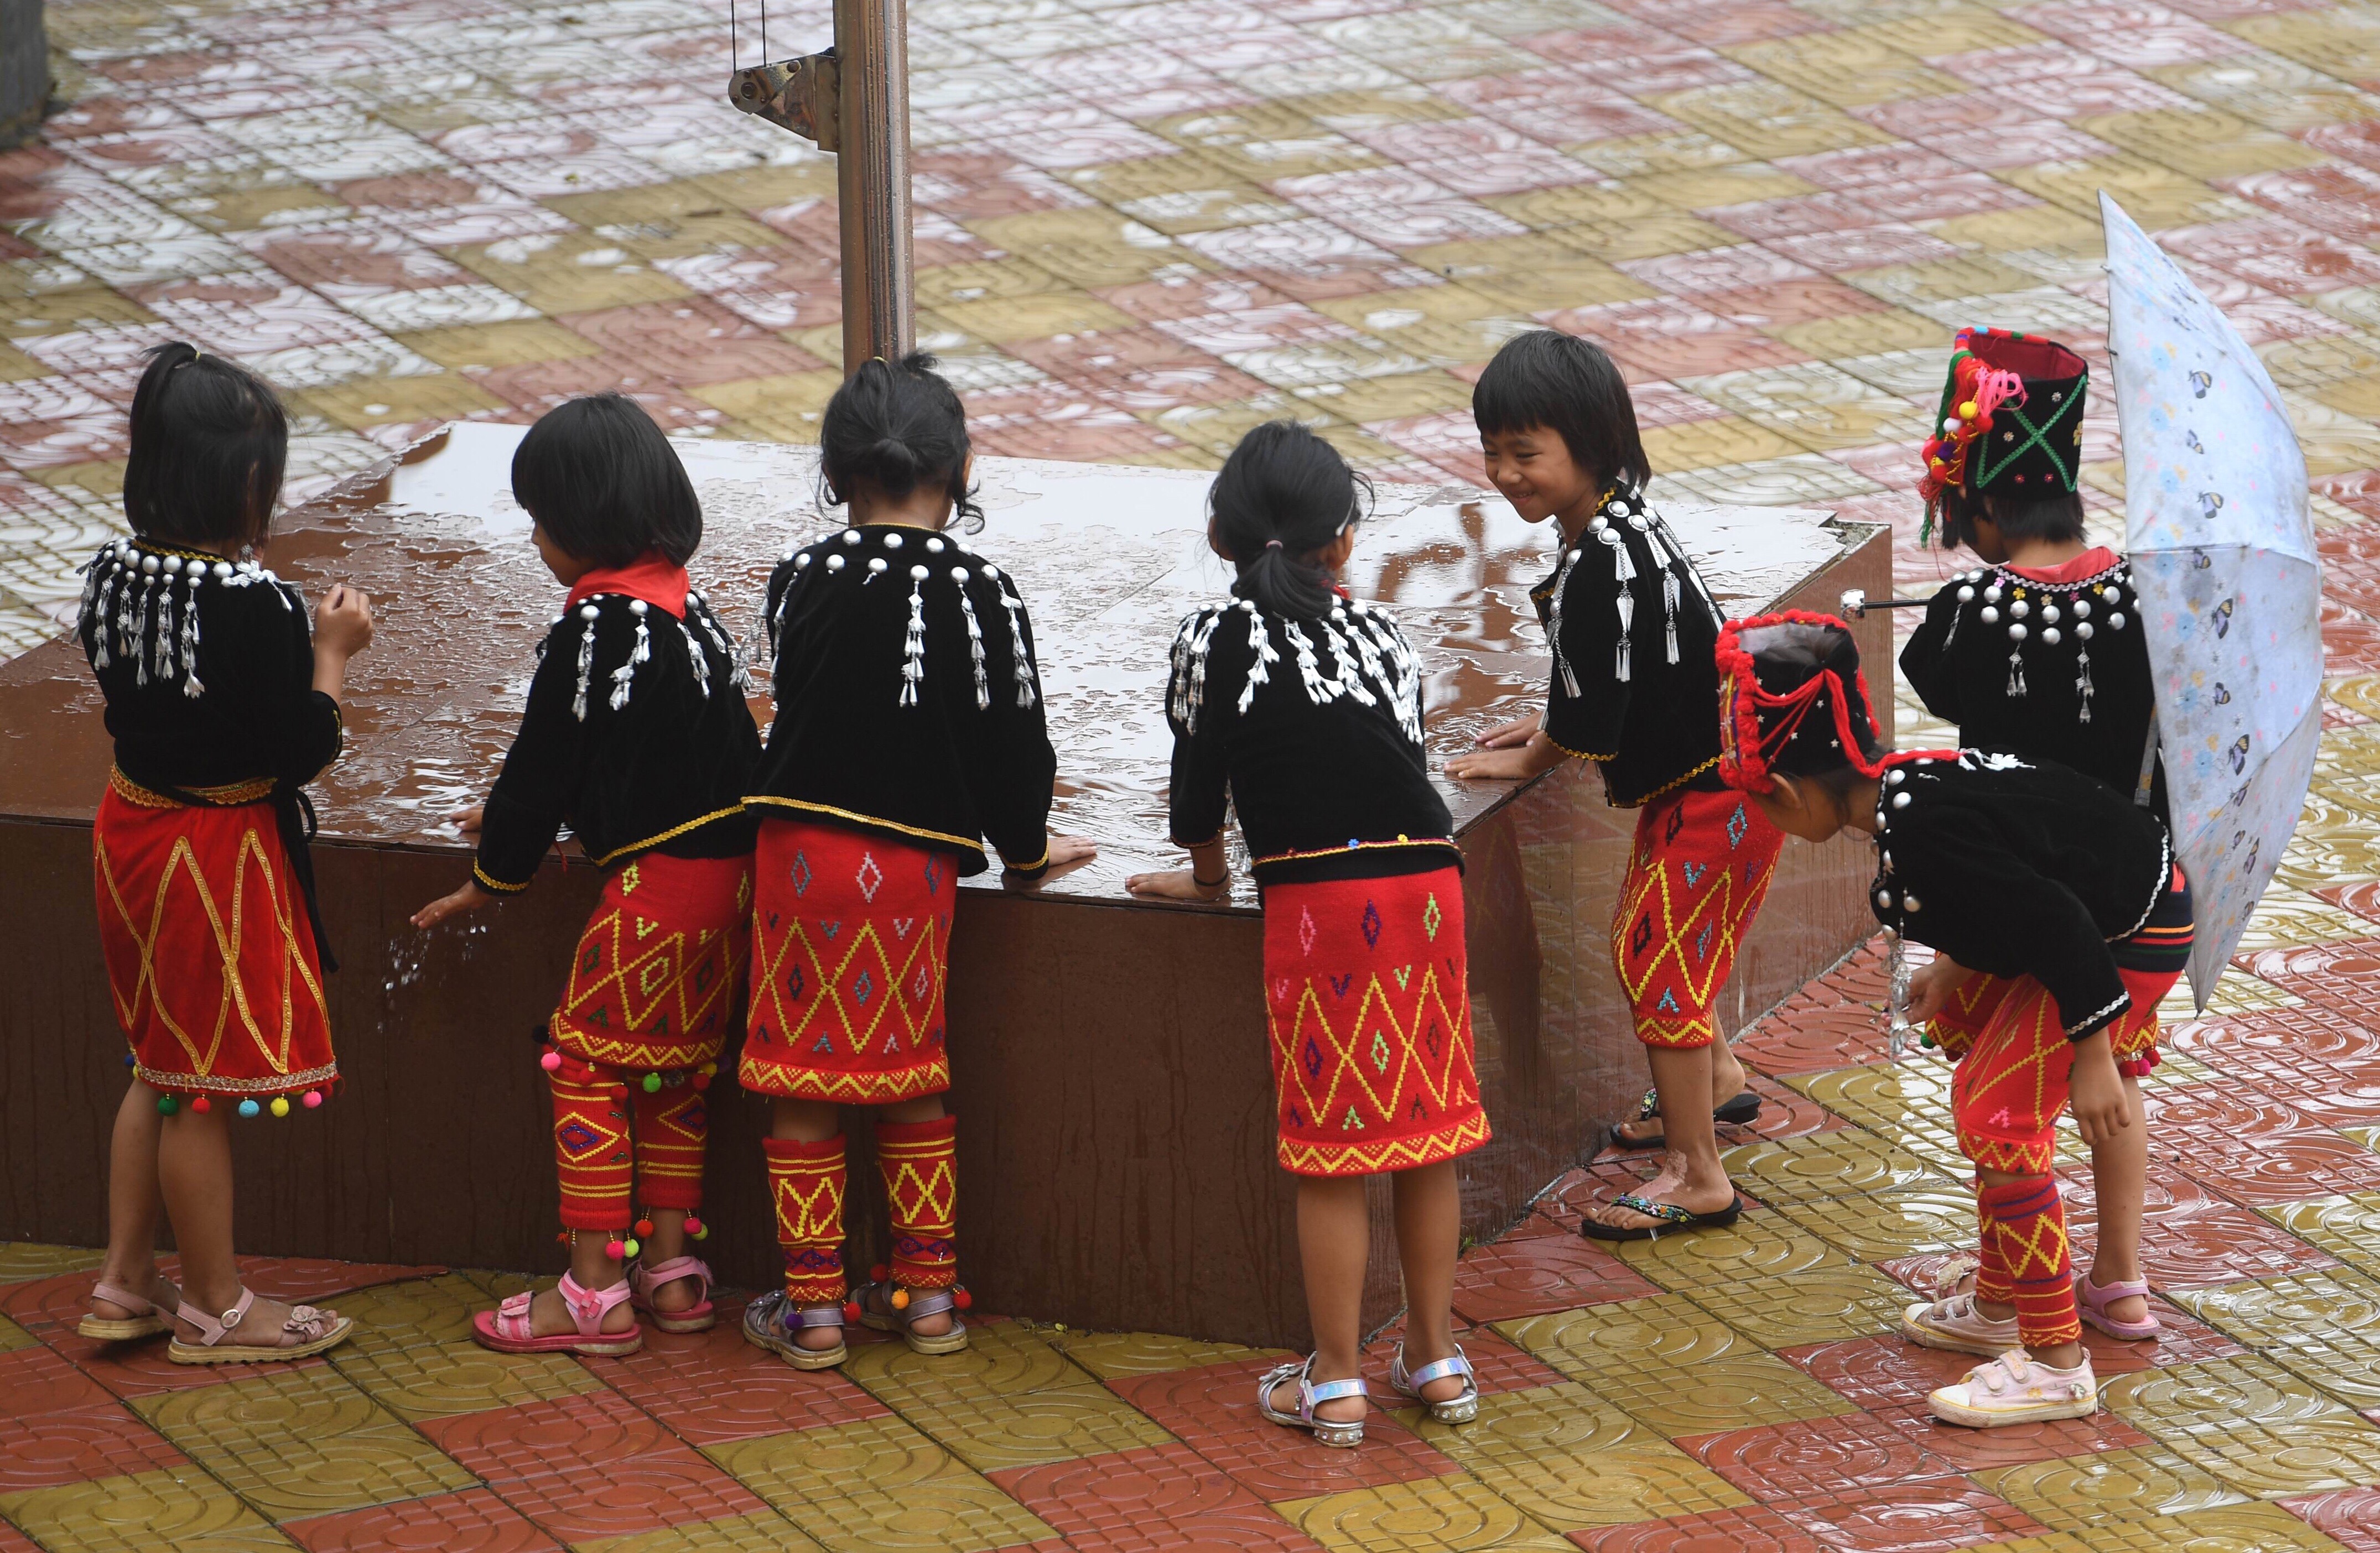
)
(655, 580)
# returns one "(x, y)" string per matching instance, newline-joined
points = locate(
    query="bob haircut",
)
(605, 485)
(1283, 494)
(210, 443)
(897, 425)
(2018, 517)
(1548, 379)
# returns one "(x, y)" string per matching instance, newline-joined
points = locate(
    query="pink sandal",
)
(314, 1330)
(696, 1318)
(508, 1327)
(2091, 1301)
(144, 1321)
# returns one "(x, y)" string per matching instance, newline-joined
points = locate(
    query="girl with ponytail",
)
(1302, 705)
(910, 729)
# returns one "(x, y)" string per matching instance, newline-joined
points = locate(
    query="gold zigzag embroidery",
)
(654, 973)
(844, 1088)
(768, 983)
(1369, 1158)
(1343, 1066)
(274, 1049)
(1719, 899)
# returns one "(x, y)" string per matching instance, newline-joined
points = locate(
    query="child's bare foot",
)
(1730, 1094)
(677, 1294)
(151, 1285)
(1420, 1353)
(1694, 1198)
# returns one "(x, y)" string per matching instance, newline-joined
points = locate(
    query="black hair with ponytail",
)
(603, 482)
(1282, 496)
(210, 443)
(897, 426)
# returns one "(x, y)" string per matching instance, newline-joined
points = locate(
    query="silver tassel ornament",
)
(1262, 656)
(624, 677)
(975, 641)
(1020, 655)
(913, 649)
(586, 660)
(702, 663)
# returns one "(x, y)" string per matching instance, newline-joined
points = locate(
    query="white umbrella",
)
(2230, 587)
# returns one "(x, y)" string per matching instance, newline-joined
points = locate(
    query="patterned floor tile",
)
(1156, 1498)
(184, 1508)
(2324, 1326)
(1212, 1409)
(305, 1442)
(2253, 1424)
(713, 1386)
(1806, 1307)
(75, 1445)
(1453, 1514)
(877, 1484)
(1757, 1530)
(2350, 1516)
(1110, 1355)
(474, 1521)
(2077, 1493)
(758, 1533)
(1537, 1274)
(1816, 1456)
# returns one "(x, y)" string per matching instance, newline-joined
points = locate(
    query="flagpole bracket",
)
(804, 95)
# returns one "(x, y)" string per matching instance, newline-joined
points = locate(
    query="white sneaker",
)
(2012, 1388)
(1955, 1326)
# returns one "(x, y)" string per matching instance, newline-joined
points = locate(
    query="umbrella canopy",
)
(2230, 587)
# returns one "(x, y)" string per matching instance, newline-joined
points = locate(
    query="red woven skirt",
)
(216, 979)
(850, 950)
(1700, 867)
(652, 984)
(1370, 1011)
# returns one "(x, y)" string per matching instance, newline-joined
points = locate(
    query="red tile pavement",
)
(35, 1382)
(474, 1521)
(710, 1387)
(2350, 1516)
(1538, 1271)
(77, 1444)
(1754, 1530)
(1151, 1501)
(1918, 1517)
(2014, 1444)
(1212, 1409)
(1819, 1456)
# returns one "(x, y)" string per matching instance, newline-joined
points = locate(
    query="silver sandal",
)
(1309, 1397)
(1454, 1409)
(771, 1321)
(912, 1303)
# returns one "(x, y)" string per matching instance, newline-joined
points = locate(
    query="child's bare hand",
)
(2098, 1091)
(469, 820)
(1509, 763)
(1930, 988)
(470, 897)
(342, 621)
(1176, 884)
(1504, 736)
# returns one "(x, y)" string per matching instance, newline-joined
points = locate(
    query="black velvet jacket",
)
(2028, 693)
(2018, 867)
(1634, 629)
(1313, 730)
(208, 669)
(909, 705)
(637, 737)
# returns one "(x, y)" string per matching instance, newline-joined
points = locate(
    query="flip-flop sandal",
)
(1672, 1220)
(915, 1303)
(699, 1316)
(507, 1328)
(315, 1330)
(144, 1321)
(1460, 1408)
(1741, 1112)
(1309, 1397)
(772, 1320)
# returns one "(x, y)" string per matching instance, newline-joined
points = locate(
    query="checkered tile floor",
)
(1142, 228)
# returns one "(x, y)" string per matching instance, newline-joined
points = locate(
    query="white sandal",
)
(1309, 1397)
(1460, 1408)
(772, 1320)
(315, 1330)
(1955, 1326)
(2017, 1388)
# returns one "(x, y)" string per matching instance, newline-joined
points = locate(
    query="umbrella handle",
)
(1857, 603)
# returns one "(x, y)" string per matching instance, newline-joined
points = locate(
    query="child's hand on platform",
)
(1931, 986)
(469, 898)
(343, 622)
(1506, 735)
(1177, 884)
(2098, 1091)
(1508, 762)
(469, 820)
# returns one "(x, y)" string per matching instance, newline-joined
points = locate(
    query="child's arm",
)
(1925, 661)
(1010, 762)
(1198, 697)
(1587, 700)
(526, 808)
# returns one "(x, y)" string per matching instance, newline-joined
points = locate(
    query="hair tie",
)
(1272, 544)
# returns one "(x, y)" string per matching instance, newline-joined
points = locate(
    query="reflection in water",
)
(1110, 558)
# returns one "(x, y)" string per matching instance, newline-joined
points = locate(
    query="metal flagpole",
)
(853, 100)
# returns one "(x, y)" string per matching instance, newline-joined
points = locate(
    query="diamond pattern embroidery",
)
(1372, 924)
(870, 878)
(1430, 917)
